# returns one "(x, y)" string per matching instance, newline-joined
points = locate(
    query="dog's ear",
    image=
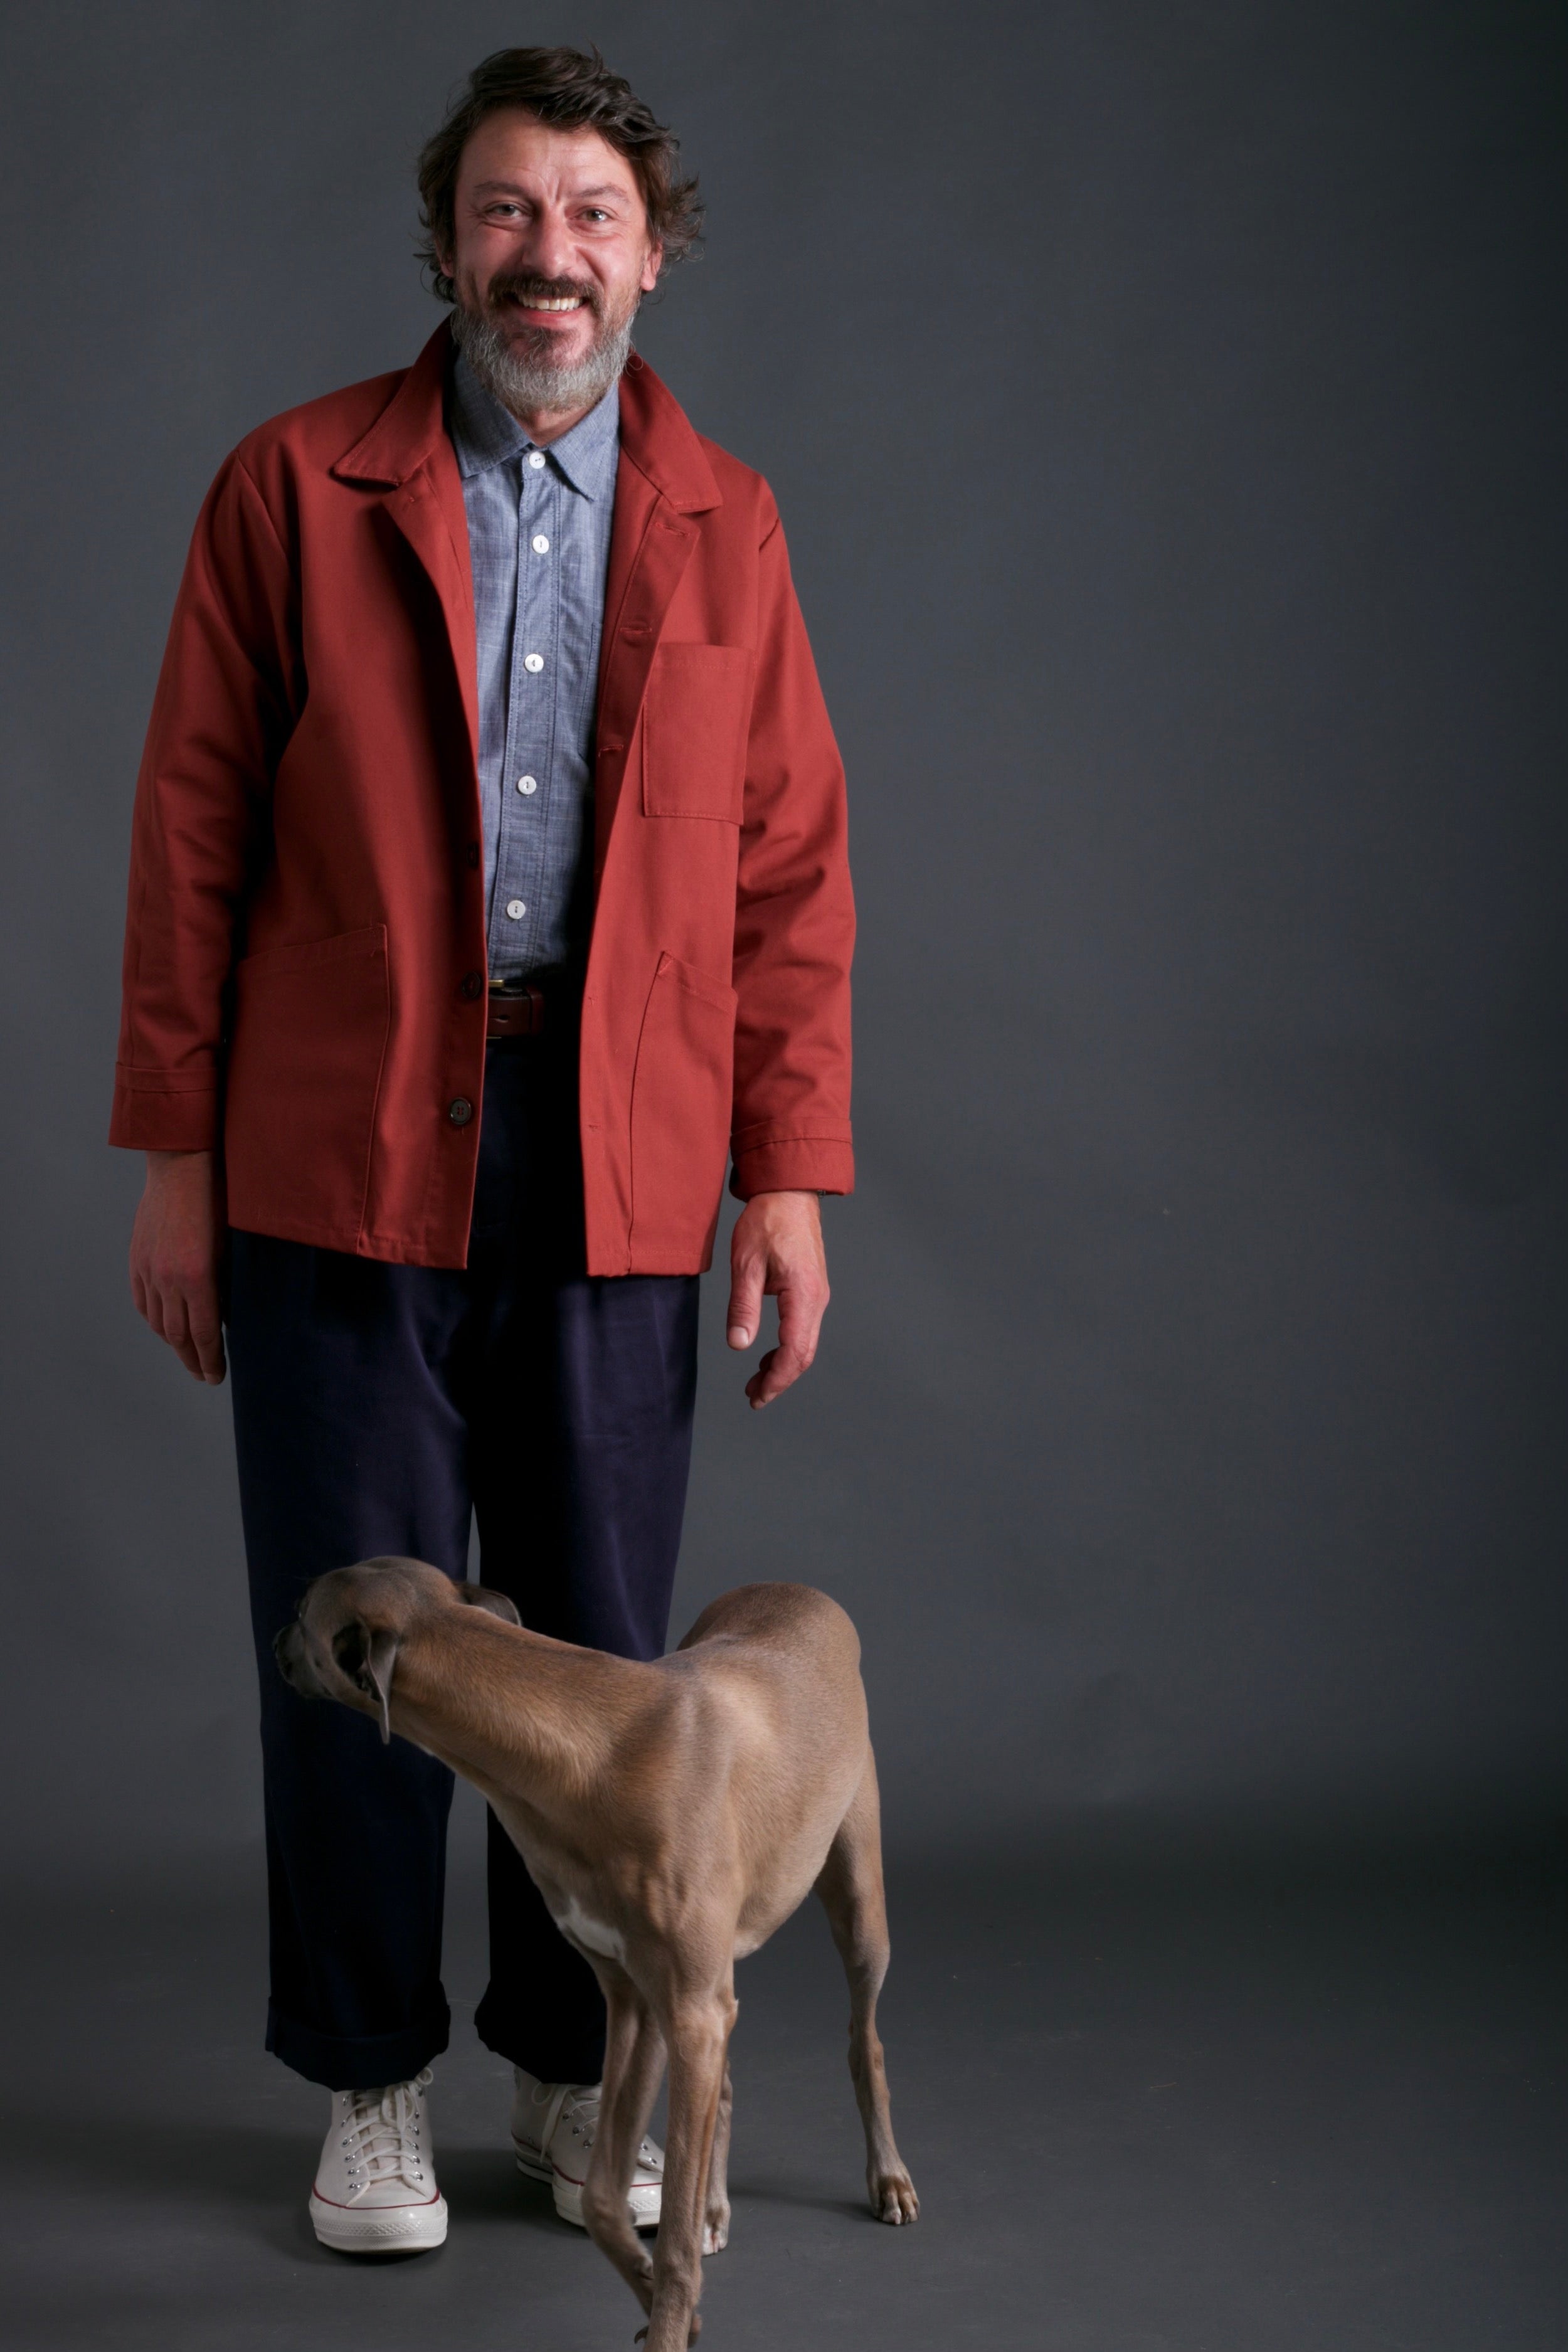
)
(368, 1661)
(480, 1596)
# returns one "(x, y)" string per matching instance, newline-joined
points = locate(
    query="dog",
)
(672, 1815)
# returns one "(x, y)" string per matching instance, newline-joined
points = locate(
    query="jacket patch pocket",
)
(695, 717)
(681, 1093)
(310, 1023)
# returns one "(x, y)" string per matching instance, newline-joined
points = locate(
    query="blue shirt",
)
(539, 540)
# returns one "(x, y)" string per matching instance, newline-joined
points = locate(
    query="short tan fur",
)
(672, 1814)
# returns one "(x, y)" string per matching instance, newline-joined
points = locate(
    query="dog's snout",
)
(286, 1649)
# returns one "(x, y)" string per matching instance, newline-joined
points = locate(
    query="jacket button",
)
(473, 852)
(460, 1111)
(472, 984)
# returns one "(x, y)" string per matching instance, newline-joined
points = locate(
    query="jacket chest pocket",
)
(694, 722)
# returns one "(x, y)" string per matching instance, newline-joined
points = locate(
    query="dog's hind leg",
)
(634, 2062)
(716, 2220)
(851, 1885)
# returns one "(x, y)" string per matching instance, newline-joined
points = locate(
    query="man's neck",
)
(544, 426)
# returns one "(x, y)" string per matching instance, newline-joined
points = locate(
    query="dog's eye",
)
(348, 1650)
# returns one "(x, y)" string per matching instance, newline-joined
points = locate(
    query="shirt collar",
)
(484, 433)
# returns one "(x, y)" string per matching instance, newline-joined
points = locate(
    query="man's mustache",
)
(525, 291)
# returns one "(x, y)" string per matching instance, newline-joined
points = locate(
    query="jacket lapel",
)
(407, 448)
(662, 483)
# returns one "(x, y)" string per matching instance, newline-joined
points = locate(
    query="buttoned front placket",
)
(529, 777)
(538, 540)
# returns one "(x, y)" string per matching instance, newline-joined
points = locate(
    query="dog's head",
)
(344, 1643)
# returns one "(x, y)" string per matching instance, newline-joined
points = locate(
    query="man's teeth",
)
(551, 303)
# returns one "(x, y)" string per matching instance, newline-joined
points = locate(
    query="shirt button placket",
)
(534, 592)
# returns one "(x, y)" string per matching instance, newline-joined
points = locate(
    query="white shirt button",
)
(528, 784)
(516, 909)
(536, 458)
(533, 661)
(541, 544)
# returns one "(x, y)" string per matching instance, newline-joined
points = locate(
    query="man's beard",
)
(520, 370)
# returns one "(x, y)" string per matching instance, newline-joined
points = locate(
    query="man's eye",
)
(595, 213)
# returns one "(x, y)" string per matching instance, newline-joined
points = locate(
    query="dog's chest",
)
(592, 1933)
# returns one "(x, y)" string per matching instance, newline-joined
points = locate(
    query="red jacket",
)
(305, 947)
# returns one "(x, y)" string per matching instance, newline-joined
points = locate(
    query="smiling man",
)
(489, 897)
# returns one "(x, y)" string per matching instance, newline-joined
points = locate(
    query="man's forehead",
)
(509, 149)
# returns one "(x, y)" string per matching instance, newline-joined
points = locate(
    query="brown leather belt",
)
(515, 1012)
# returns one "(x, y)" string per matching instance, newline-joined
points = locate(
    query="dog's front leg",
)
(699, 2034)
(716, 2218)
(634, 2062)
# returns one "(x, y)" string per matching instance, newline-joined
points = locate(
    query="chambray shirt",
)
(539, 538)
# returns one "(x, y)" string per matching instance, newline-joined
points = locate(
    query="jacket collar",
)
(411, 426)
(655, 435)
(657, 439)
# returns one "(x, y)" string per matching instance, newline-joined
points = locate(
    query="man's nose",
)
(548, 249)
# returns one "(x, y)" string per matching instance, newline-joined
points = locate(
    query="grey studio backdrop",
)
(1164, 403)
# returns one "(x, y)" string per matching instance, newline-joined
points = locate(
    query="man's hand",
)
(174, 1250)
(775, 1252)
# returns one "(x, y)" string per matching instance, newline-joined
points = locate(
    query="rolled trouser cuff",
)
(358, 2062)
(546, 2048)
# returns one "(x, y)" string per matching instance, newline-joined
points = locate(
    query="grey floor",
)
(1288, 2114)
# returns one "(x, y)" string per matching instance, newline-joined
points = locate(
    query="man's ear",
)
(479, 1596)
(368, 1664)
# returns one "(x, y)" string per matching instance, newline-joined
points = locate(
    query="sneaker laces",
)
(577, 2105)
(381, 2134)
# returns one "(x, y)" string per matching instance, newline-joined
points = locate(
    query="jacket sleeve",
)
(795, 919)
(228, 696)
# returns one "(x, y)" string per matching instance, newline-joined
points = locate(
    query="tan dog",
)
(672, 1816)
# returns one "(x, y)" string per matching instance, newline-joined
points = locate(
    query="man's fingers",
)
(776, 1250)
(206, 1338)
(745, 1302)
(175, 1248)
(779, 1370)
(191, 1326)
(176, 1322)
(800, 1310)
(177, 1331)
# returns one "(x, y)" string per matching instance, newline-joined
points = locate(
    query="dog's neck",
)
(514, 1711)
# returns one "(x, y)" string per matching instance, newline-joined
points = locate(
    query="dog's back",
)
(795, 1616)
(778, 1667)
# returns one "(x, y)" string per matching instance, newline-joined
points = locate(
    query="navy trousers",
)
(375, 1408)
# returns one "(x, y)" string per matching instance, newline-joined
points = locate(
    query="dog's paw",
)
(893, 2199)
(716, 2231)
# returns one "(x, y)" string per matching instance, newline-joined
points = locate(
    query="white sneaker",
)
(376, 2189)
(552, 2128)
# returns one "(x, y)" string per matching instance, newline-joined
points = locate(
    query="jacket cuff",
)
(798, 1163)
(155, 1117)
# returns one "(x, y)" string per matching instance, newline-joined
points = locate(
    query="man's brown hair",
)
(569, 90)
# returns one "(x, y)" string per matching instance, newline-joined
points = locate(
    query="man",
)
(489, 893)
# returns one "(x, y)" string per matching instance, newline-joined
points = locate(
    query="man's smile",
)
(539, 305)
